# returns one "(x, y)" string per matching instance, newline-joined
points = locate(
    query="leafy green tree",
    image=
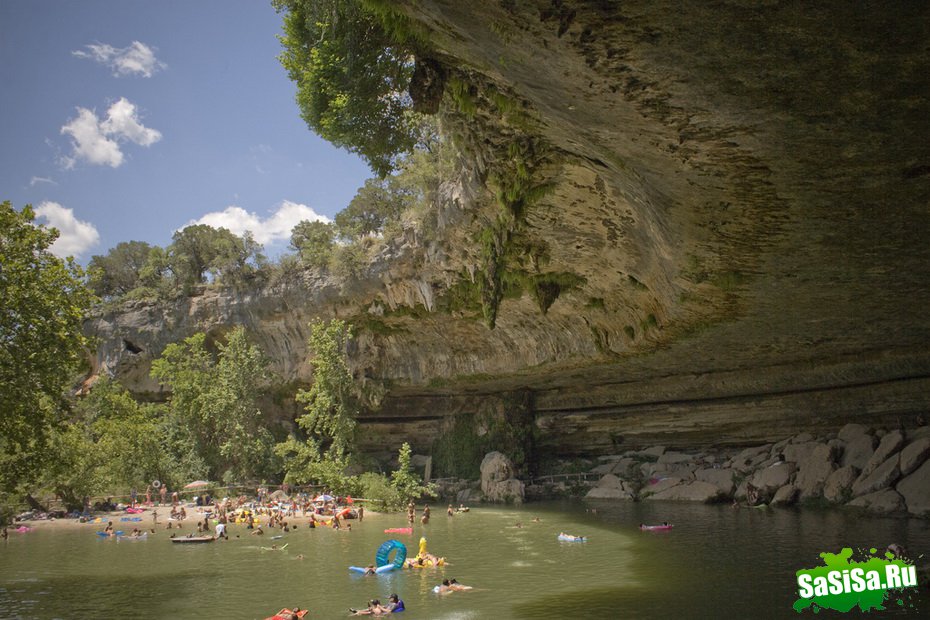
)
(199, 251)
(406, 482)
(331, 403)
(119, 270)
(377, 203)
(43, 301)
(352, 76)
(128, 436)
(217, 403)
(314, 242)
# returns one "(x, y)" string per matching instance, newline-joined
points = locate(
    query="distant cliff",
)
(730, 243)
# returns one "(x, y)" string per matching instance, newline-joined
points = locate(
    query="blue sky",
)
(128, 119)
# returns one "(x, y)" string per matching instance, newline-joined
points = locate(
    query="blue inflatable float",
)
(383, 560)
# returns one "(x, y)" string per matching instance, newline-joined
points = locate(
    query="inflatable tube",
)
(22, 529)
(358, 569)
(156, 483)
(399, 530)
(655, 528)
(105, 535)
(382, 557)
(569, 538)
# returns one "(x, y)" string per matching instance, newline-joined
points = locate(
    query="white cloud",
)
(98, 141)
(137, 59)
(36, 180)
(75, 237)
(276, 227)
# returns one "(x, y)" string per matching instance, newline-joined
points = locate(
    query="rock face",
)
(497, 479)
(737, 190)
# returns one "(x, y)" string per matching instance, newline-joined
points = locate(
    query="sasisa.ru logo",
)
(841, 585)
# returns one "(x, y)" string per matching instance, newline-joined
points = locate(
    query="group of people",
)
(375, 608)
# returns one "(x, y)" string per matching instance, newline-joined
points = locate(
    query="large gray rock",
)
(838, 486)
(675, 457)
(609, 487)
(914, 454)
(916, 491)
(497, 479)
(785, 496)
(721, 478)
(693, 492)
(858, 451)
(799, 452)
(884, 501)
(815, 470)
(890, 443)
(882, 477)
(661, 485)
(852, 431)
(653, 451)
(772, 478)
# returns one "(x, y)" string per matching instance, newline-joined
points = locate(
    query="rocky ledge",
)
(878, 470)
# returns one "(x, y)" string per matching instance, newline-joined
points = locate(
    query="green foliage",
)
(332, 402)
(377, 487)
(216, 402)
(304, 463)
(377, 202)
(201, 250)
(350, 260)
(407, 483)
(314, 242)
(118, 271)
(351, 62)
(459, 449)
(43, 302)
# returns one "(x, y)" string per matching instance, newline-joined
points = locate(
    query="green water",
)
(716, 561)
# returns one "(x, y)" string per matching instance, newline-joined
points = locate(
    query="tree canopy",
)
(352, 77)
(43, 301)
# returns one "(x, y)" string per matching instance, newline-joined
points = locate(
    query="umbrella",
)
(323, 498)
(196, 484)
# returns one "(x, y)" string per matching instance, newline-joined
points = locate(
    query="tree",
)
(314, 242)
(200, 250)
(352, 77)
(43, 301)
(216, 400)
(405, 481)
(331, 403)
(377, 203)
(119, 270)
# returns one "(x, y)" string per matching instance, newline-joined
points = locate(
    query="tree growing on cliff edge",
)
(43, 301)
(352, 76)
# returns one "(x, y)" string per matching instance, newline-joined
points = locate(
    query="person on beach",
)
(450, 511)
(163, 492)
(148, 495)
(220, 531)
(4, 534)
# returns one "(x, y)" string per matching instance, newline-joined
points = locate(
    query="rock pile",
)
(881, 471)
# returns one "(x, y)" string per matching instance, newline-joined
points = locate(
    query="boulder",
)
(884, 501)
(653, 451)
(914, 454)
(693, 492)
(883, 476)
(603, 468)
(838, 487)
(802, 438)
(779, 447)
(858, 451)
(660, 485)
(622, 466)
(772, 478)
(609, 487)
(799, 452)
(815, 470)
(889, 444)
(721, 478)
(785, 496)
(852, 431)
(676, 457)
(497, 479)
(750, 458)
(916, 490)
(918, 433)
